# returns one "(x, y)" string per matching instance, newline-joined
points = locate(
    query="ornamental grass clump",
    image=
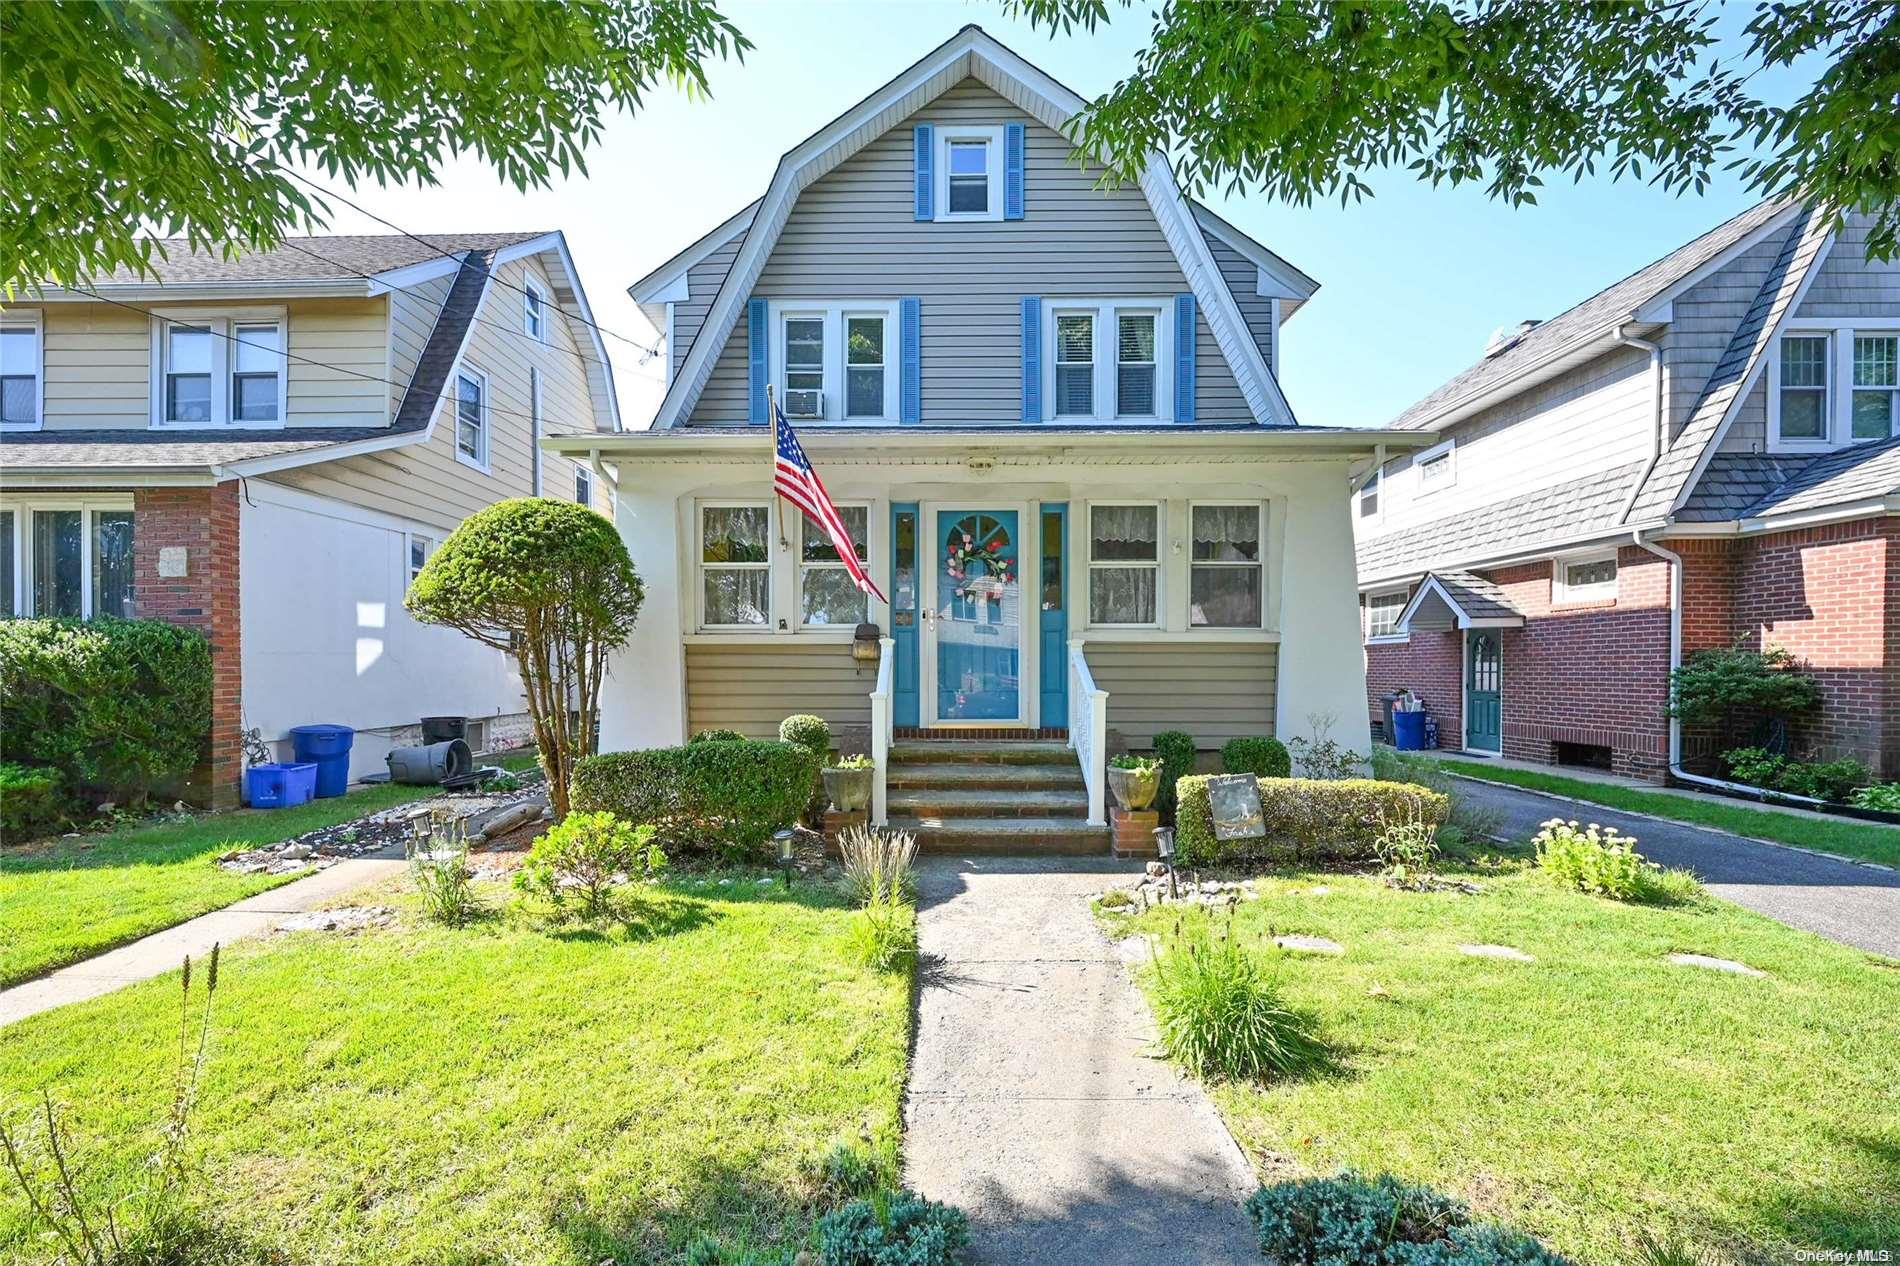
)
(1219, 1012)
(883, 936)
(879, 864)
(1602, 860)
(438, 866)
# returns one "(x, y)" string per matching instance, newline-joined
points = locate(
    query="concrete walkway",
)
(1033, 1103)
(1854, 904)
(161, 952)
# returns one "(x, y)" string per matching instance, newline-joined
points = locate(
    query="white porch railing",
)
(1088, 731)
(882, 721)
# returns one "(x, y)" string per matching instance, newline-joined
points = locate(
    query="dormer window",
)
(971, 162)
(1804, 387)
(1876, 410)
(835, 362)
(213, 368)
(1833, 386)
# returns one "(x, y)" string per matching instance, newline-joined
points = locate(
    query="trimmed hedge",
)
(1261, 757)
(119, 707)
(722, 797)
(1175, 750)
(1382, 1222)
(717, 736)
(30, 802)
(1304, 818)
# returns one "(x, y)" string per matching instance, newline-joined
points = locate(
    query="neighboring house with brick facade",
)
(1706, 453)
(268, 447)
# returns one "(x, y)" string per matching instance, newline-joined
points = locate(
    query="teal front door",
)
(977, 618)
(1484, 709)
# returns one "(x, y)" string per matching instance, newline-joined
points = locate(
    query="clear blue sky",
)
(1412, 281)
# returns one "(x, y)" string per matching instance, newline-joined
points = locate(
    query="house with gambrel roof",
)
(1704, 454)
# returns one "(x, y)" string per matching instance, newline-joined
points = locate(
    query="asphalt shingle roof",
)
(1592, 316)
(1852, 474)
(377, 253)
(1476, 596)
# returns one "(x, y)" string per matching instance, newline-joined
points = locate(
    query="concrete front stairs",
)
(996, 796)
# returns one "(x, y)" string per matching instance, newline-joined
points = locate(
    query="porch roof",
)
(1459, 600)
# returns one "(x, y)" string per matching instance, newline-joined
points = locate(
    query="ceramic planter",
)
(849, 789)
(1134, 789)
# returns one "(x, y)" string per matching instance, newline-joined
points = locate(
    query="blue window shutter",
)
(1012, 171)
(910, 375)
(1184, 358)
(1032, 358)
(925, 151)
(757, 335)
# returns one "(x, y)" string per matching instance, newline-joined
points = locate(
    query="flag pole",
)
(778, 499)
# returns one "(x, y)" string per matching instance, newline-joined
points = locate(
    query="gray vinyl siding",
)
(1213, 690)
(852, 236)
(412, 312)
(1703, 321)
(1243, 281)
(702, 287)
(751, 685)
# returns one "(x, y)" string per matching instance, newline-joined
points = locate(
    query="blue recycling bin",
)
(329, 747)
(1408, 732)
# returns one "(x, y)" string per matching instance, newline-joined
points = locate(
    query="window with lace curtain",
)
(1227, 567)
(1125, 564)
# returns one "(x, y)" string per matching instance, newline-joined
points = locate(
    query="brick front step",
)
(983, 802)
(982, 752)
(1002, 778)
(1009, 835)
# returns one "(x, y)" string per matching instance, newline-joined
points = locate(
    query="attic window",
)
(1438, 467)
(971, 160)
(534, 317)
(969, 177)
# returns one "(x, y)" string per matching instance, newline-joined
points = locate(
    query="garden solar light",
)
(785, 840)
(1164, 843)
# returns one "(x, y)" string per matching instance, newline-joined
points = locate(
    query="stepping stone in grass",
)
(1309, 944)
(1497, 951)
(1716, 964)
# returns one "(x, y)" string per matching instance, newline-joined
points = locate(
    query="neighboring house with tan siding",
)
(268, 447)
(1706, 453)
(1049, 415)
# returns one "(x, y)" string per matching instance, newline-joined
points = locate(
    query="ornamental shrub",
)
(1381, 1222)
(717, 736)
(1834, 780)
(1175, 750)
(584, 856)
(1712, 685)
(807, 731)
(1883, 796)
(119, 707)
(1261, 757)
(720, 798)
(1337, 819)
(30, 802)
(908, 1230)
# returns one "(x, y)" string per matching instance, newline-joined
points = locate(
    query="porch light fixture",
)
(785, 840)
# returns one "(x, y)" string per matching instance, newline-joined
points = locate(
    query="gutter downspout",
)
(1656, 416)
(1676, 770)
(1378, 465)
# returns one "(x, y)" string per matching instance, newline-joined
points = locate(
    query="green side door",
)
(1484, 709)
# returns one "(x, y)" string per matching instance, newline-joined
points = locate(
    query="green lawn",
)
(1600, 1090)
(1852, 838)
(502, 1093)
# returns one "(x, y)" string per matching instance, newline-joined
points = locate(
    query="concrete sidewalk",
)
(163, 951)
(1033, 1103)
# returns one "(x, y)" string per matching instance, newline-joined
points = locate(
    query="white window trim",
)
(220, 321)
(1449, 452)
(481, 460)
(1838, 417)
(1404, 596)
(833, 315)
(31, 319)
(1563, 593)
(945, 134)
(531, 294)
(583, 478)
(700, 566)
(88, 506)
(1107, 329)
(1259, 564)
(428, 544)
(800, 567)
(1089, 563)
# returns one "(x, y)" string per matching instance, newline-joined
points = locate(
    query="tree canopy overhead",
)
(179, 113)
(1303, 98)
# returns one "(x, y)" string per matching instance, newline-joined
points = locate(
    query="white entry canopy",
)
(1459, 600)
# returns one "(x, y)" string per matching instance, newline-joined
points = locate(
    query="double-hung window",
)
(971, 160)
(735, 561)
(220, 368)
(835, 361)
(20, 372)
(67, 558)
(471, 418)
(420, 547)
(1135, 364)
(805, 365)
(827, 596)
(534, 315)
(1383, 611)
(1369, 494)
(1075, 364)
(864, 365)
(1876, 404)
(1125, 565)
(1802, 399)
(1227, 570)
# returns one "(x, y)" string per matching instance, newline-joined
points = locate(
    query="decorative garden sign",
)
(1235, 799)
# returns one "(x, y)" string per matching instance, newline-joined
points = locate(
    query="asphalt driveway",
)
(1854, 904)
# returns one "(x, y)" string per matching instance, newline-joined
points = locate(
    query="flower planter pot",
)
(849, 789)
(1134, 789)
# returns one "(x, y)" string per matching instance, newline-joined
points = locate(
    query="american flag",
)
(799, 484)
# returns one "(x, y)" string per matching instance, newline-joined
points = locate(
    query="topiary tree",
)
(550, 584)
(1261, 757)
